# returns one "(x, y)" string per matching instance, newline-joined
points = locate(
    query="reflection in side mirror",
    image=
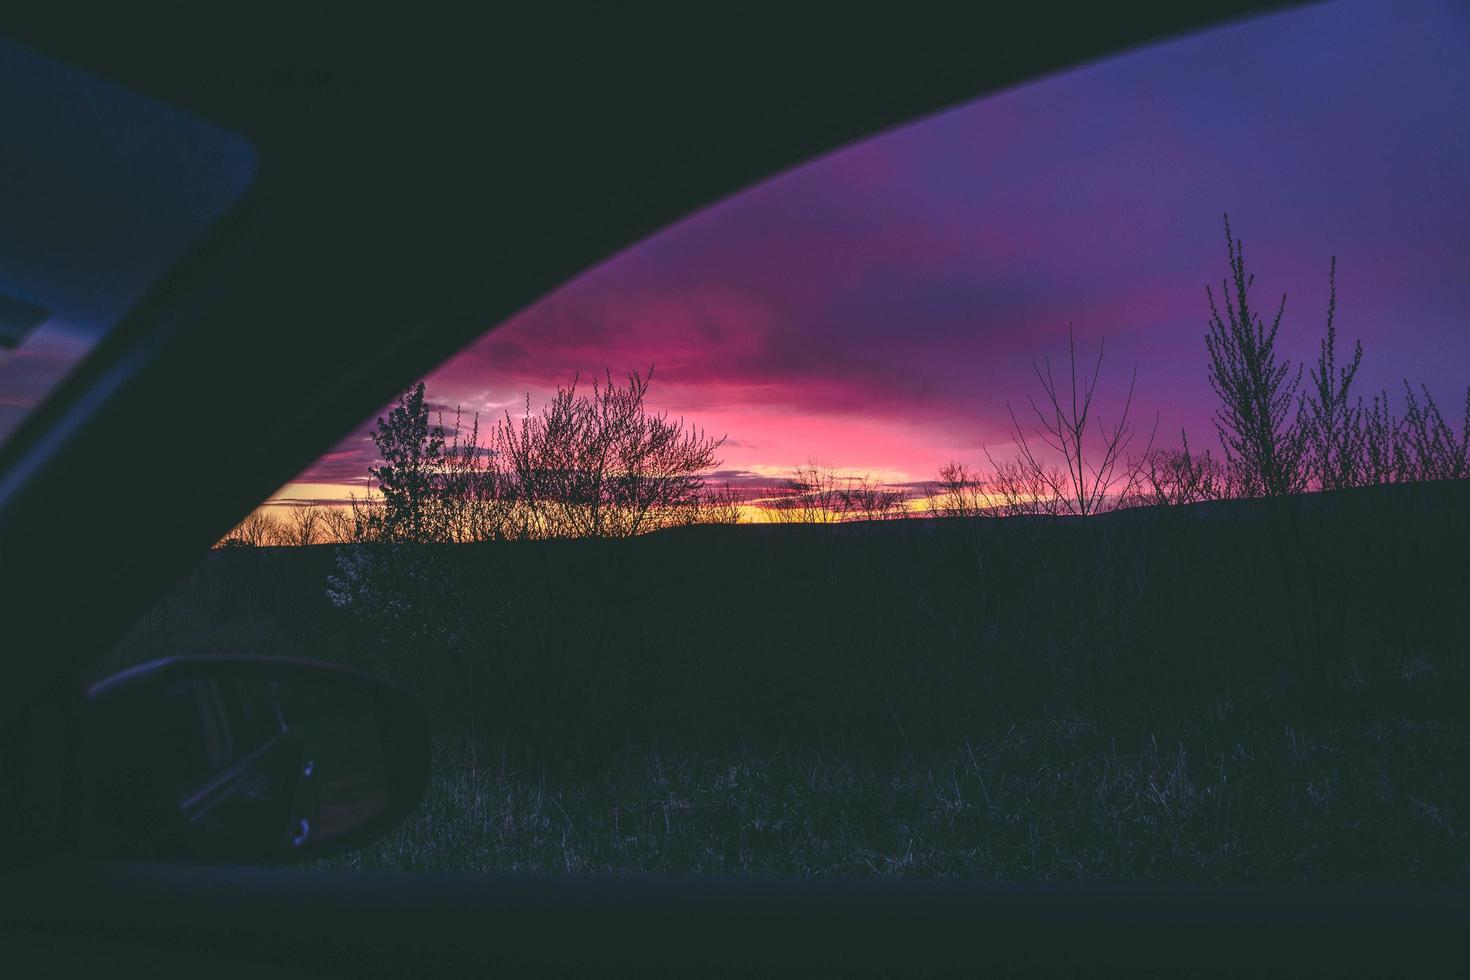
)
(248, 759)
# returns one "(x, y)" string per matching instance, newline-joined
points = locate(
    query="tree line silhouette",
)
(601, 464)
(1278, 436)
(592, 463)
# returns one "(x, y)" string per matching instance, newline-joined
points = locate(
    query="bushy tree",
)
(603, 465)
(412, 457)
(401, 596)
(399, 592)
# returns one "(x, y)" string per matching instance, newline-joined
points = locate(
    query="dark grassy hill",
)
(881, 636)
(1239, 691)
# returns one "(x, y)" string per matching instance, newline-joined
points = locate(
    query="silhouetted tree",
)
(472, 497)
(337, 524)
(815, 494)
(257, 530)
(1262, 439)
(1429, 449)
(1023, 486)
(411, 456)
(719, 505)
(1380, 453)
(812, 494)
(304, 526)
(1087, 480)
(959, 492)
(1330, 421)
(1172, 477)
(866, 499)
(603, 465)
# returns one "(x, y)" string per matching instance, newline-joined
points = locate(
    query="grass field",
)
(1240, 693)
(1058, 800)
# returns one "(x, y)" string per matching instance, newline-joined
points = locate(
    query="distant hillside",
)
(880, 634)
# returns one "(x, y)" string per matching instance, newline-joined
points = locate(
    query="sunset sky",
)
(874, 310)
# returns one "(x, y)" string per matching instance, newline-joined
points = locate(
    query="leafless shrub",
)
(865, 499)
(1429, 449)
(473, 497)
(812, 494)
(337, 525)
(257, 530)
(1380, 454)
(603, 465)
(1087, 480)
(959, 492)
(1334, 441)
(1263, 441)
(1330, 421)
(1022, 487)
(598, 465)
(306, 525)
(718, 505)
(367, 516)
(1422, 445)
(816, 494)
(1172, 477)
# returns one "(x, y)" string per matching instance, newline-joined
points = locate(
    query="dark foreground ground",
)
(1237, 693)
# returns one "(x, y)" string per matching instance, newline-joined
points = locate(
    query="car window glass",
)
(102, 191)
(1004, 496)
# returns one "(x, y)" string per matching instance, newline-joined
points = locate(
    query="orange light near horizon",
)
(764, 509)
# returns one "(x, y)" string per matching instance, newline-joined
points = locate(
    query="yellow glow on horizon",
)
(293, 494)
(338, 496)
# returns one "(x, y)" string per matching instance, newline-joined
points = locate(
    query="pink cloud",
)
(878, 308)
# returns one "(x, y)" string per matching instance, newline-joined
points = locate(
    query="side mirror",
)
(247, 759)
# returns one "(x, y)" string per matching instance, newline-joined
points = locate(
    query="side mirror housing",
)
(246, 759)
